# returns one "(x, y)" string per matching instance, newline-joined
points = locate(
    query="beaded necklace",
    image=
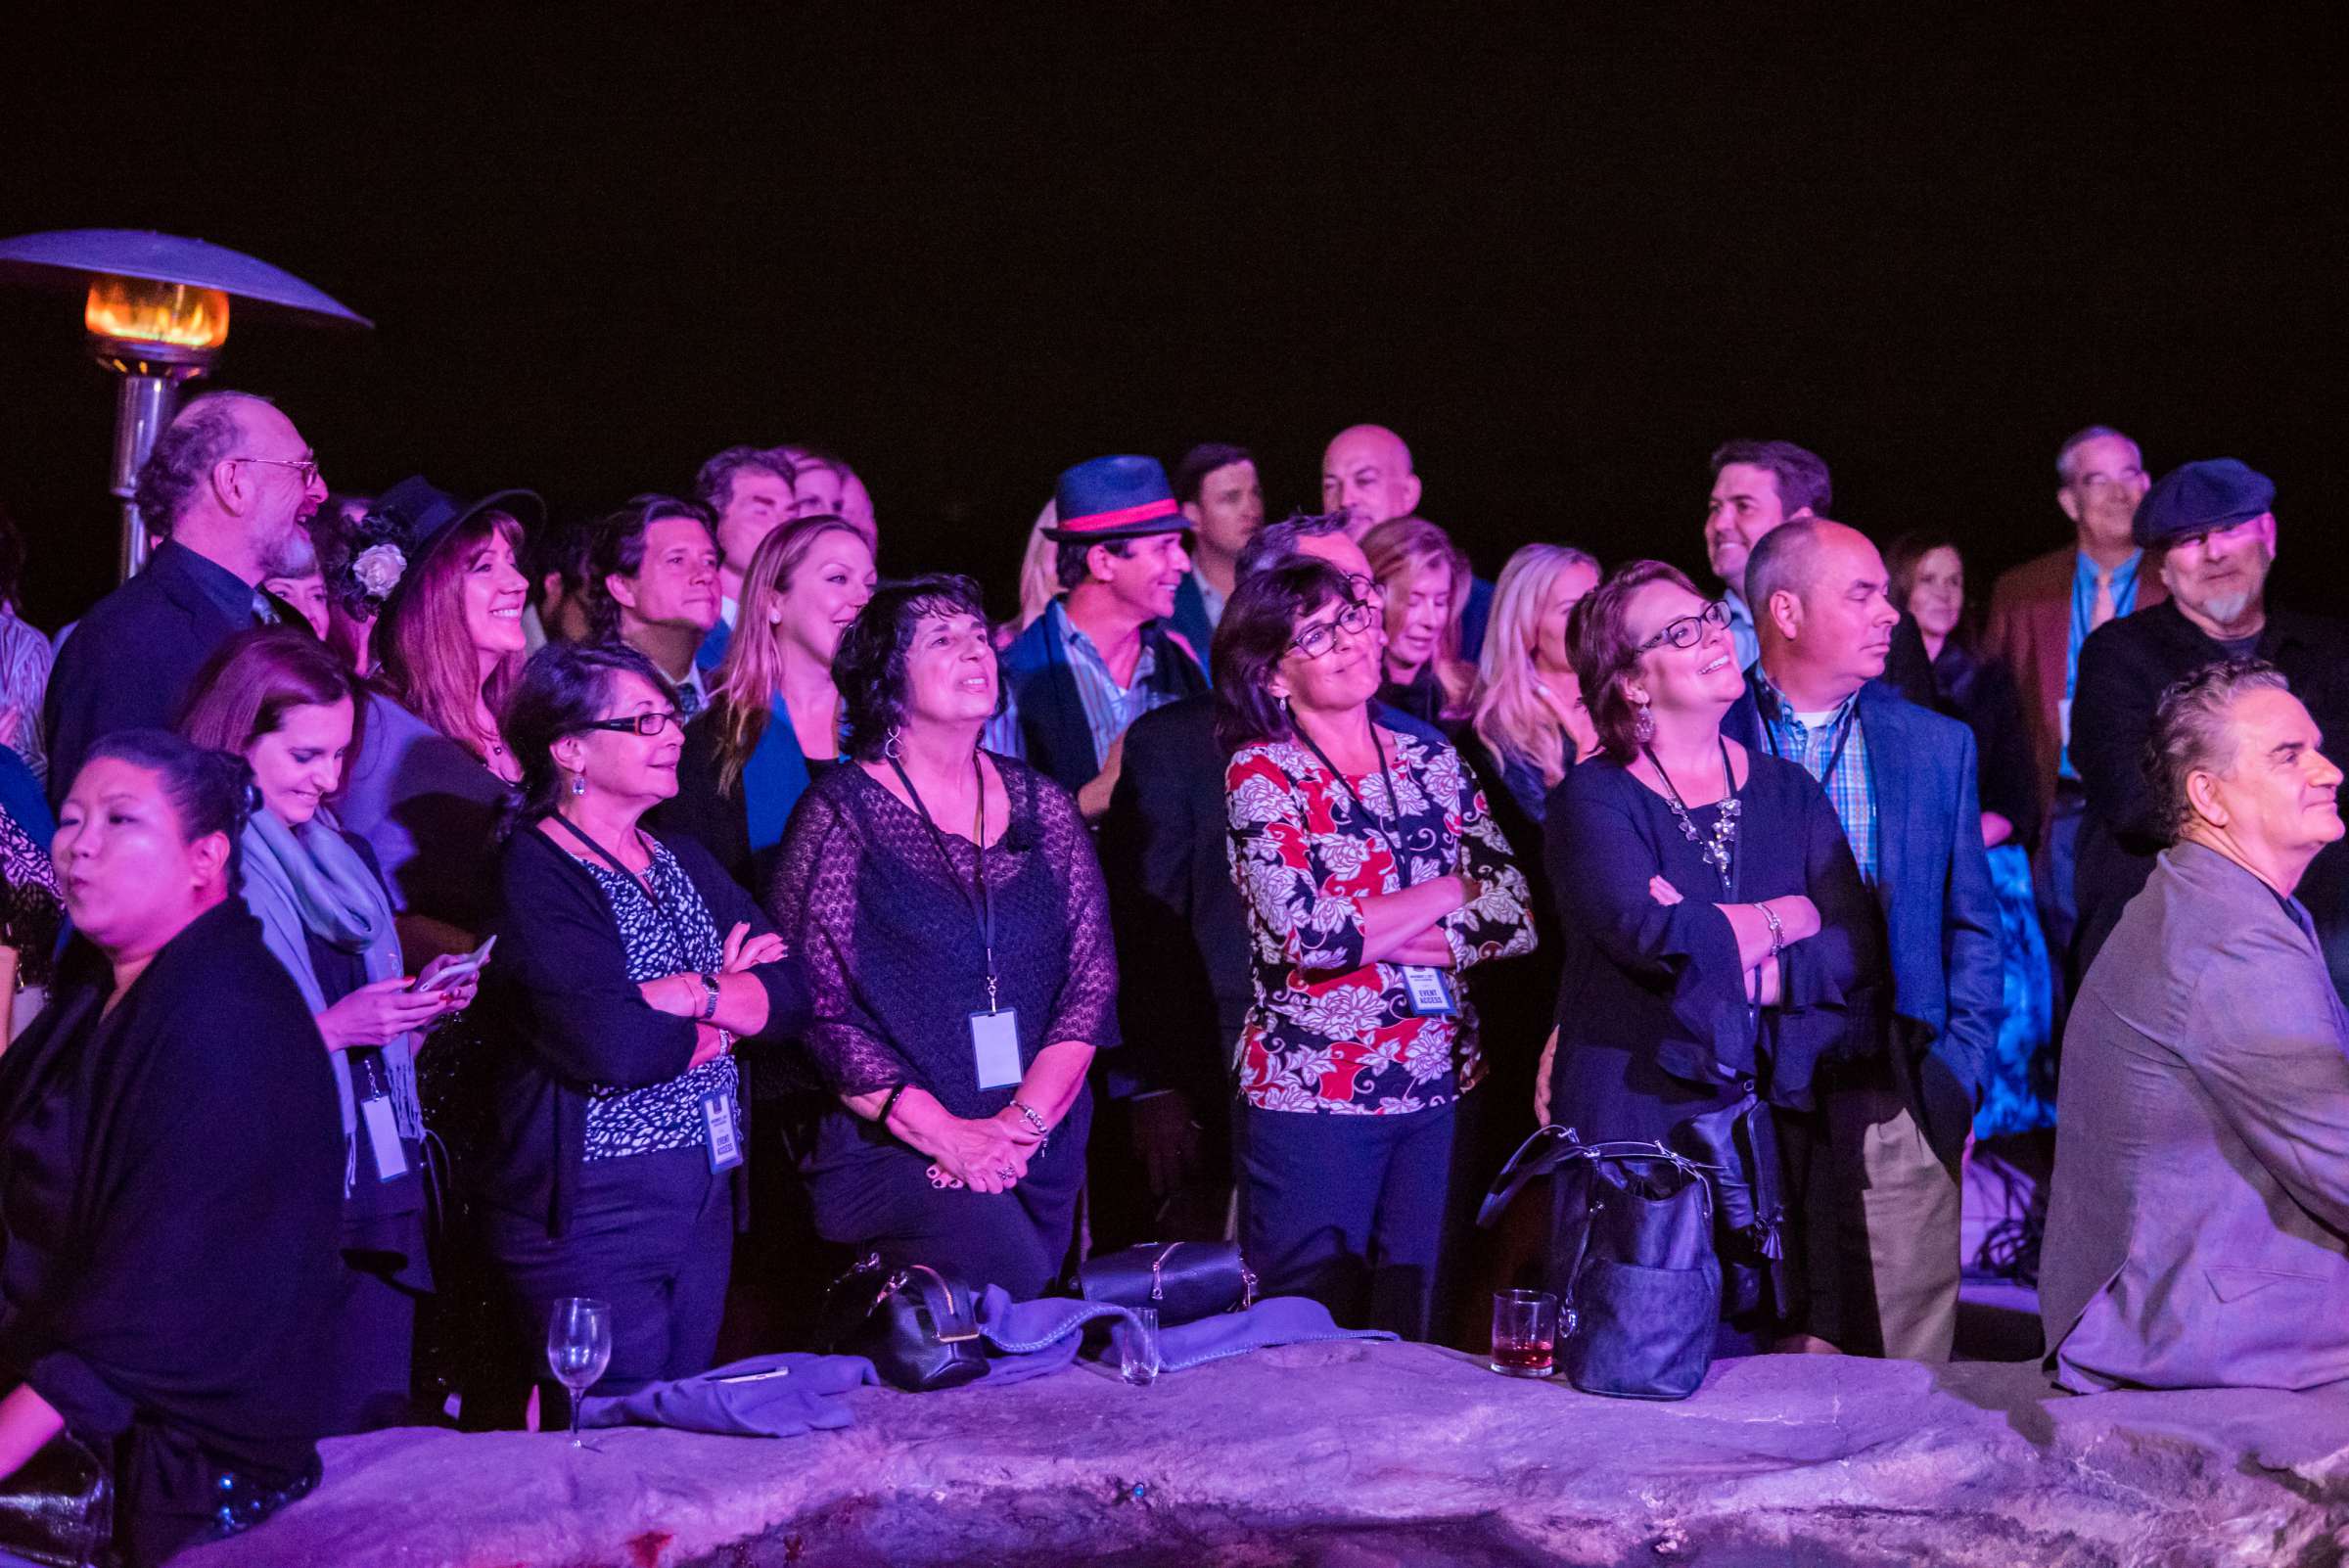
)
(1723, 845)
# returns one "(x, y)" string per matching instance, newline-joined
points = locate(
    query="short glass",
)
(1525, 1333)
(1137, 1345)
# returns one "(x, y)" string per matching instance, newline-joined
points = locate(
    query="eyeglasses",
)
(646, 725)
(1689, 631)
(1322, 635)
(304, 469)
(1367, 589)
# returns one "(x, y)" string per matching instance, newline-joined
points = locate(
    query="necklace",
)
(1718, 851)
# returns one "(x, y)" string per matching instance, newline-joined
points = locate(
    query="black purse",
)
(917, 1326)
(59, 1507)
(1184, 1280)
(1631, 1262)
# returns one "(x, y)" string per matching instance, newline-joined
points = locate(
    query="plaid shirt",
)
(1847, 786)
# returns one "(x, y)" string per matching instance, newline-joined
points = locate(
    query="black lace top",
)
(895, 962)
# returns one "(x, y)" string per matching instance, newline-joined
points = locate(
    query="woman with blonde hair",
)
(1529, 710)
(775, 714)
(1425, 578)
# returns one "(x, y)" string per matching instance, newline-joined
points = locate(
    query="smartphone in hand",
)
(463, 969)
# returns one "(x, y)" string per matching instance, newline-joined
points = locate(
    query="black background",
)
(1564, 251)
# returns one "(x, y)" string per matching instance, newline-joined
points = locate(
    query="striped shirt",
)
(1833, 750)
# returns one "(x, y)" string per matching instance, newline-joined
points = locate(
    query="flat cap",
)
(2215, 492)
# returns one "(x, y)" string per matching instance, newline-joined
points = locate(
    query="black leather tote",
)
(918, 1327)
(59, 1507)
(1185, 1280)
(1631, 1262)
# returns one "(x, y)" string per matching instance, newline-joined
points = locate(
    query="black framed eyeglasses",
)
(1688, 630)
(1322, 635)
(646, 725)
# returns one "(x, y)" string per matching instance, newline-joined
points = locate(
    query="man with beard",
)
(230, 484)
(2213, 526)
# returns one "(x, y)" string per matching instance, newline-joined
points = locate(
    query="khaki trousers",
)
(1884, 1226)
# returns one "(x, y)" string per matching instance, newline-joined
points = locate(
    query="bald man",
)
(1366, 474)
(1882, 1207)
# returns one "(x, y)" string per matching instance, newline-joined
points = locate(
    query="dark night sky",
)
(967, 246)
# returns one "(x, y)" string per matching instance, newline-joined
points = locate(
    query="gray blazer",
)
(2198, 1230)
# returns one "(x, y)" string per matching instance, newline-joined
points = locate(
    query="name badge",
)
(383, 1136)
(717, 1120)
(995, 1046)
(1431, 991)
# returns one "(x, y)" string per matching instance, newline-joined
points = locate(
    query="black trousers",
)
(652, 1236)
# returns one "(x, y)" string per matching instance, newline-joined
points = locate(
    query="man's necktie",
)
(2101, 611)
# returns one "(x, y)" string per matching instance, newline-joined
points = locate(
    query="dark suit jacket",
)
(1182, 930)
(2198, 1228)
(2125, 665)
(1941, 913)
(2031, 634)
(131, 662)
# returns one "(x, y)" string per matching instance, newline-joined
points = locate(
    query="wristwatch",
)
(709, 994)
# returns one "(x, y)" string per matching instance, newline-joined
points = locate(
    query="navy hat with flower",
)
(382, 549)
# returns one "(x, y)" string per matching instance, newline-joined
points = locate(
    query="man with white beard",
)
(2212, 524)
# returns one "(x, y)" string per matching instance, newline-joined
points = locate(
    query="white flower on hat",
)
(379, 569)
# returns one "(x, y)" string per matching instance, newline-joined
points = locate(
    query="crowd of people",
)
(424, 910)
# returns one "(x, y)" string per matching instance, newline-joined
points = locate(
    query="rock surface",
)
(1351, 1455)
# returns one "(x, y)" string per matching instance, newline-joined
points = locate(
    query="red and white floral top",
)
(1327, 1030)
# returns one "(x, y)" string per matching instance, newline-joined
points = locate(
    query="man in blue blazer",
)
(1894, 1119)
(229, 482)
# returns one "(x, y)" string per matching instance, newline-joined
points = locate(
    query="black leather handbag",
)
(1184, 1280)
(59, 1507)
(1631, 1262)
(918, 1327)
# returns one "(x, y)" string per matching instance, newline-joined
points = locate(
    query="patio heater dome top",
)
(66, 260)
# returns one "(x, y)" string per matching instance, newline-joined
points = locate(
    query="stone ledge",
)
(1354, 1455)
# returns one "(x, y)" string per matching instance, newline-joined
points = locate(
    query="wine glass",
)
(578, 1347)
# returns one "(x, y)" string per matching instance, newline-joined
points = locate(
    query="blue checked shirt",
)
(1847, 786)
(1108, 708)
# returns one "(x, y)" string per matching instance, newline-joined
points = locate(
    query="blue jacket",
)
(1941, 913)
(1058, 742)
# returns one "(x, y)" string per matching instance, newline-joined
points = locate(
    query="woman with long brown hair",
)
(774, 715)
(431, 775)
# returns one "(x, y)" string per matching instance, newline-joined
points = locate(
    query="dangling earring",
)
(888, 744)
(1645, 725)
(578, 783)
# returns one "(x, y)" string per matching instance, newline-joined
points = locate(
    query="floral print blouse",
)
(1328, 1031)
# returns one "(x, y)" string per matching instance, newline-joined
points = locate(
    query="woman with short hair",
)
(1715, 929)
(1426, 579)
(286, 704)
(774, 715)
(627, 967)
(956, 934)
(170, 1177)
(1374, 878)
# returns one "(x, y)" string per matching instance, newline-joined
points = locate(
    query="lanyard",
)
(1378, 823)
(1843, 732)
(642, 884)
(984, 905)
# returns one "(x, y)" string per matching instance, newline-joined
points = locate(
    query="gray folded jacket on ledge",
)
(788, 1394)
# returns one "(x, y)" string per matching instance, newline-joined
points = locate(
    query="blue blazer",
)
(1941, 914)
(1190, 622)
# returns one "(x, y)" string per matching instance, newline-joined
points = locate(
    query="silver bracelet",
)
(1043, 1131)
(1777, 933)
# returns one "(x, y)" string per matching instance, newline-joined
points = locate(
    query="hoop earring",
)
(1645, 725)
(888, 744)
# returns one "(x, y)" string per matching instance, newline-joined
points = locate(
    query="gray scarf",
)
(307, 880)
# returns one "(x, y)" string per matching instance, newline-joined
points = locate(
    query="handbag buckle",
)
(1158, 1279)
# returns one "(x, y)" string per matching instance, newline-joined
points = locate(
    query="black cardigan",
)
(558, 990)
(171, 1177)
